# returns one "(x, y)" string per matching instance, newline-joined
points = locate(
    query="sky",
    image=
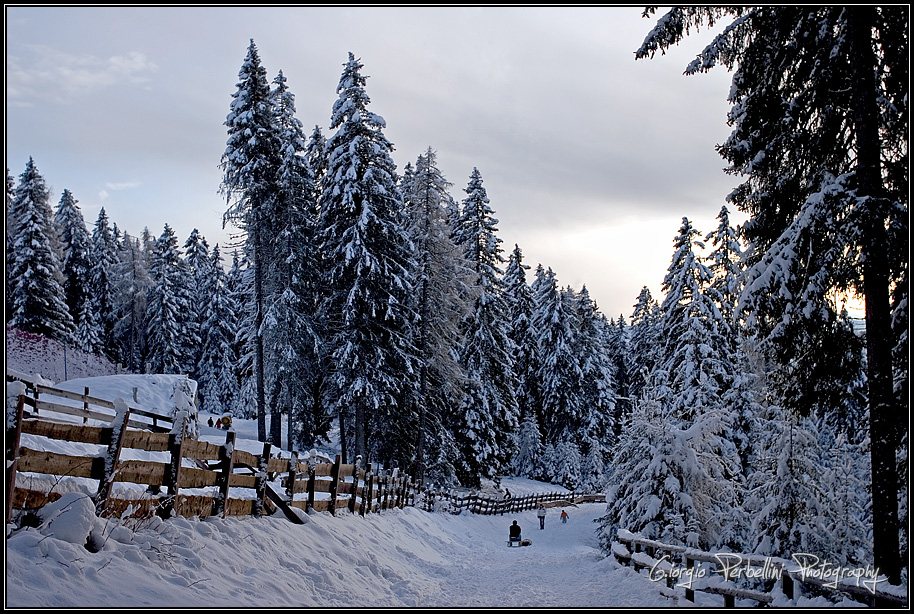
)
(590, 159)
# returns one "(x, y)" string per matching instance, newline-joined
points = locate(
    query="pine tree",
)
(199, 268)
(820, 100)
(523, 335)
(291, 323)
(168, 302)
(644, 341)
(104, 263)
(696, 344)
(217, 382)
(367, 256)
(598, 377)
(38, 303)
(560, 375)
(249, 183)
(74, 238)
(132, 288)
(439, 302)
(489, 407)
(618, 341)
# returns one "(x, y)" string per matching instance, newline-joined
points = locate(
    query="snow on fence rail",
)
(696, 570)
(184, 465)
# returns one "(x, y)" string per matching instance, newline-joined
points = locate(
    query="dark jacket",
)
(514, 531)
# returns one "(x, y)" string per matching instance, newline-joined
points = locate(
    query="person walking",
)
(541, 514)
(564, 516)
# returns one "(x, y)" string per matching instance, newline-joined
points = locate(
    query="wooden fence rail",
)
(220, 471)
(697, 567)
(191, 465)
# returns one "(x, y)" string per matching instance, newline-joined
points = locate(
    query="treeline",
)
(358, 298)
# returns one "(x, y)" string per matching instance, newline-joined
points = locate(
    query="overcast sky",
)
(590, 159)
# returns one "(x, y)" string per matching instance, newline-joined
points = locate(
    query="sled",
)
(517, 544)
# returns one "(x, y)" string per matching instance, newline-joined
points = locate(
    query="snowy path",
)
(563, 567)
(401, 558)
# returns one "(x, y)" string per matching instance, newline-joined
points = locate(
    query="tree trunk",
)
(885, 418)
(258, 337)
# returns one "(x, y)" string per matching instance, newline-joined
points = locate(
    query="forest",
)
(741, 410)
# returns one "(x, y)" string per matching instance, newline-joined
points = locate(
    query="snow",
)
(400, 558)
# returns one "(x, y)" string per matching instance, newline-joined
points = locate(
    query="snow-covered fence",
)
(730, 574)
(480, 504)
(186, 471)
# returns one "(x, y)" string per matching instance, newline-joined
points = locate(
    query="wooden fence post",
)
(293, 474)
(355, 483)
(382, 492)
(227, 465)
(334, 483)
(173, 471)
(690, 566)
(787, 584)
(86, 406)
(13, 435)
(260, 479)
(113, 454)
(367, 492)
(312, 469)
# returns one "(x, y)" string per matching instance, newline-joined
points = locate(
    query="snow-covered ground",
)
(397, 558)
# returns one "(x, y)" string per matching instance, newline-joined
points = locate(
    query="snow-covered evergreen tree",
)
(598, 387)
(168, 304)
(644, 341)
(440, 302)
(38, 302)
(291, 321)
(199, 270)
(523, 335)
(485, 435)
(102, 274)
(367, 259)
(132, 288)
(218, 383)
(249, 183)
(75, 247)
(560, 376)
(820, 138)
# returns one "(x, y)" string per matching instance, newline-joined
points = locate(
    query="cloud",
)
(44, 73)
(128, 185)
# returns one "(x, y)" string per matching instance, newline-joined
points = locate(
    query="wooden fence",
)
(191, 464)
(234, 482)
(481, 504)
(695, 570)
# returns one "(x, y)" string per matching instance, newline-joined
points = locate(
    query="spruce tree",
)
(489, 410)
(168, 303)
(249, 184)
(102, 273)
(75, 244)
(439, 303)
(367, 259)
(291, 321)
(132, 288)
(38, 302)
(819, 118)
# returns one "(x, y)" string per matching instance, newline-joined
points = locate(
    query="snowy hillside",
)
(31, 354)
